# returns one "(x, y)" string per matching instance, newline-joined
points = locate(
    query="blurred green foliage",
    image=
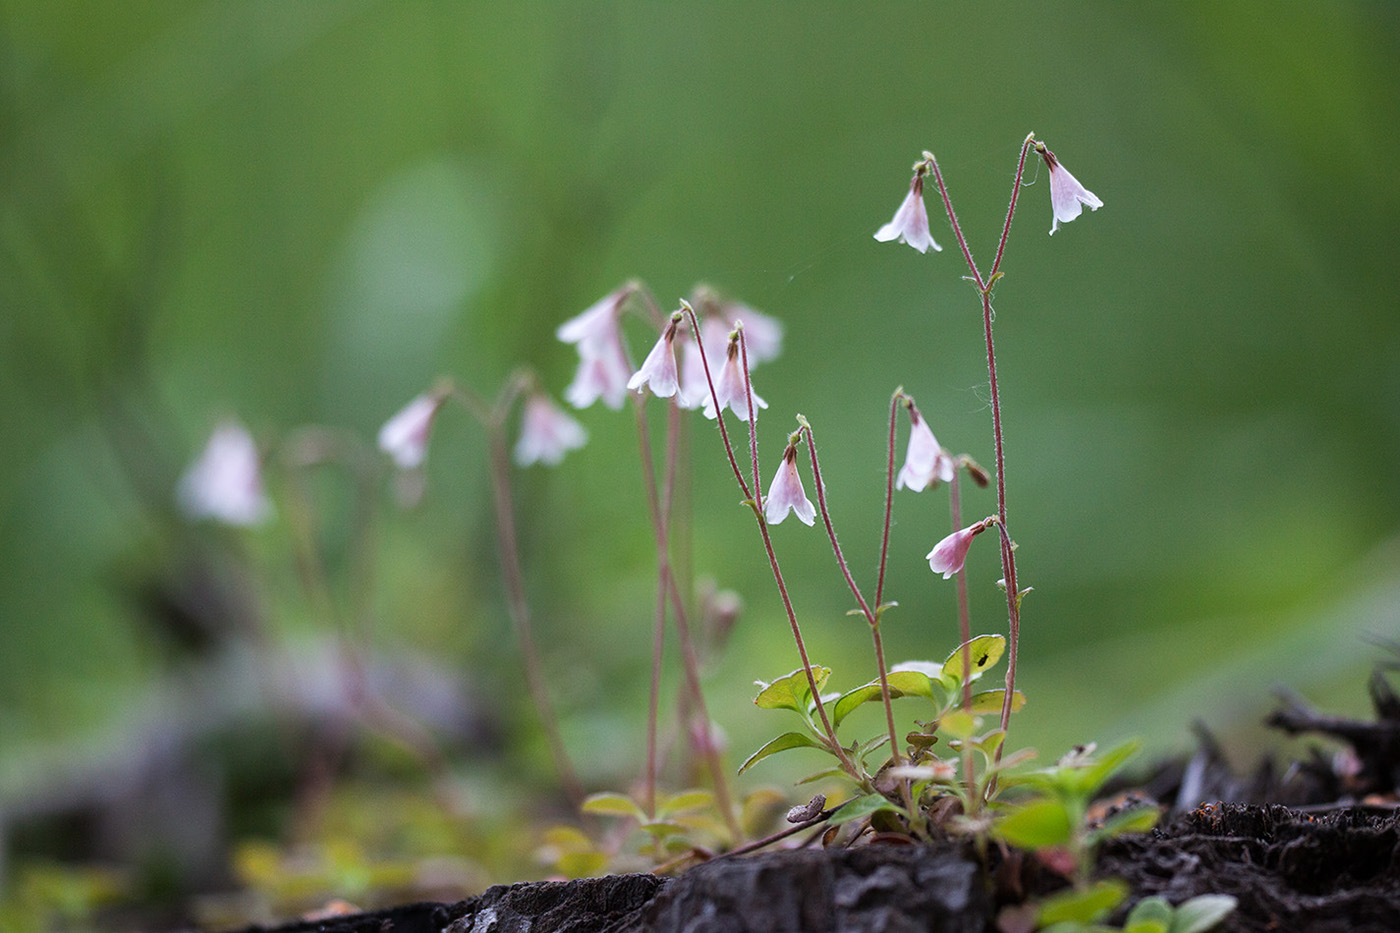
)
(303, 212)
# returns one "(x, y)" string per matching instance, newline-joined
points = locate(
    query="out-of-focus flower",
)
(1067, 196)
(603, 367)
(546, 433)
(910, 223)
(602, 373)
(786, 493)
(598, 325)
(926, 462)
(949, 555)
(658, 371)
(695, 385)
(225, 483)
(763, 333)
(405, 436)
(731, 389)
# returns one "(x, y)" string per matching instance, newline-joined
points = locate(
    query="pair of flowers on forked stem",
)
(910, 225)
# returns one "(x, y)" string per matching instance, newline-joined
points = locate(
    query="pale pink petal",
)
(405, 436)
(597, 326)
(786, 494)
(731, 391)
(948, 555)
(658, 371)
(695, 386)
(601, 374)
(1067, 196)
(763, 334)
(925, 462)
(225, 483)
(910, 223)
(546, 433)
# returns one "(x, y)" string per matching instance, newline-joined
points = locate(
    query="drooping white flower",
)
(1068, 197)
(731, 389)
(763, 333)
(925, 462)
(695, 385)
(949, 555)
(910, 223)
(598, 325)
(786, 494)
(658, 371)
(225, 483)
(404, 437)
(546, 432)
(602, 373)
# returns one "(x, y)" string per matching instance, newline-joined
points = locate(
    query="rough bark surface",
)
(1291, 870)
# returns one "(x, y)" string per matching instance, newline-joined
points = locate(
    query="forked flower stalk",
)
(984, 289)
(752, 499)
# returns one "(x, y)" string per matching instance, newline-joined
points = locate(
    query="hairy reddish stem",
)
(756, 505)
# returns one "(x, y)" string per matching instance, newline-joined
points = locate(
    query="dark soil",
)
(1331, 862)
(1290, 870)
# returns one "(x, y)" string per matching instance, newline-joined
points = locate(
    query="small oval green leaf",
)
(791, 691)
(610, 804)
(989, 701)
(1036, 825)
(1201, 913)
(1131, 820)
(859, 807)
(983, 652)
(685, 801)
(781, 744)
(1149, 915)
(1082, 906)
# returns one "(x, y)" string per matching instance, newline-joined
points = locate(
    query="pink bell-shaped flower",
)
(658, 371)
(910, 223)
(926, 462)
(404, 437)
(786, 493)
(763, 333)
(602, 374)
(695, 385)
(948, 555)
(225, 483)
(1068, 197)
(598, 326)
(546, 433)
(731, 389)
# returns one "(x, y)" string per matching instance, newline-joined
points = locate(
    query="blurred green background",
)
(303, 212)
